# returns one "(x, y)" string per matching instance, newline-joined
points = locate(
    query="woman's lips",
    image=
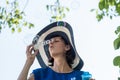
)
(51, 46)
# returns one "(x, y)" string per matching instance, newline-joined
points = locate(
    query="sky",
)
(93, 39)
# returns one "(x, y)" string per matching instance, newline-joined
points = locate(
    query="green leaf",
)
(9, 23)
(110, 17)
(7, 2)
(106, 4)
(22, 13)
(99, 17)
(25, 24)
(101, 5)
(67, 9)
(18, 16)
(101, 0)
(1, 16)
(116, 43)
(17, 11)
(112, 2)
(31, 25)
(16, 3)
(3, 10)
(60, 10)
(117, 30)
(92, 10)
(16, 21)
(118, 8)
(13, 30)
(0, 27)
(19, 30)
(47, 6)
(63, 15)
(116, 61)
(119, 35)
(54, 17)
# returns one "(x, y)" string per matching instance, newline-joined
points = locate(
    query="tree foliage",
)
(14, 18)
(57, 11)
(116, 61)
(111, 9)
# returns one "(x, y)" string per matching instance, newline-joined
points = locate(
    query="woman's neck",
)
(61, 66)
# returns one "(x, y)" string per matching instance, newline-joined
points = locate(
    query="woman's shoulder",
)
(39, 73)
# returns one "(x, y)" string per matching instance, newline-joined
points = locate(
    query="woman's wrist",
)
(28, 62)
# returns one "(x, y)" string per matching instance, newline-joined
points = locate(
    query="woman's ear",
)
(67, 47)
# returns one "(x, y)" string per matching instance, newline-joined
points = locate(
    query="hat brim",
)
(59, 28)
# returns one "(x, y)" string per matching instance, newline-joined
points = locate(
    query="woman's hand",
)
(31, 53)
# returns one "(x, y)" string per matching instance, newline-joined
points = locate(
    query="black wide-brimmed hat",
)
(42, 38)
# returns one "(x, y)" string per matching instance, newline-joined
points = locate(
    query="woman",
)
(58, 50)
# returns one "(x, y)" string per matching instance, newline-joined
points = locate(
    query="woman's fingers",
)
(29, 48)
(30, 51)
(36, 52)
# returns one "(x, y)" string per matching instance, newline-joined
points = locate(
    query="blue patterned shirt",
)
(49, 74)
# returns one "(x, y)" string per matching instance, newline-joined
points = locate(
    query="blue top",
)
(49, 74)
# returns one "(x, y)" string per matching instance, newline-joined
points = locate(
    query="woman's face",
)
(57, 47)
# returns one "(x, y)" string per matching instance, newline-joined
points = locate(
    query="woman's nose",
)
(50, 44)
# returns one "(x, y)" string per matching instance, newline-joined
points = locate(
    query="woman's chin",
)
(53, 54)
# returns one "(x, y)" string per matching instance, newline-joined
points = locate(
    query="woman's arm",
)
(30, 59)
